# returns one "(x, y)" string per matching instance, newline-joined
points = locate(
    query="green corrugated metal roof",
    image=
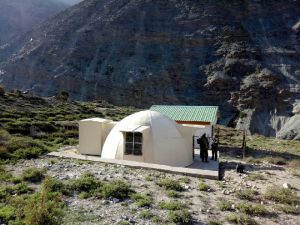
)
(188, 113)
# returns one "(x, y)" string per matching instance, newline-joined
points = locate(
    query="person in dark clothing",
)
(214, 148)
(203, 148)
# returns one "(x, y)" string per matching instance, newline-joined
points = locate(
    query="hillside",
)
(19, 16)
(240, 55)
(35, 187)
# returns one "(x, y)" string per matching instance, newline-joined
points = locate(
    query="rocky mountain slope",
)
(241, 55)
(19, 16)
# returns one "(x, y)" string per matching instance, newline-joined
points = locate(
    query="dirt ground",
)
(203, 205)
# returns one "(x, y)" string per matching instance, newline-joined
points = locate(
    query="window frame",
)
(135, 151)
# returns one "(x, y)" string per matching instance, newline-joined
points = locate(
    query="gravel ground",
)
(203, 205)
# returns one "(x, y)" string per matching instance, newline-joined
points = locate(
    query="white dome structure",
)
(150, 137)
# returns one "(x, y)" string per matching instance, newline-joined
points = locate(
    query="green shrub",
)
(7, 213)
(182, 217)
(33, 174)
(171, 205)
(225, 205)
(247, 194)
(84, 195)
(289, 209)
(241, 219)
(5, 175)
(146, 214)
(55, 185)
(281, 195)
(185, 180)
(203, 186)
(173, 194)
(86, 183)
(21, 188)
(255, 177)
(44, 208)
(142, 200)
(169, 184)
(251, 209)
(117, 189)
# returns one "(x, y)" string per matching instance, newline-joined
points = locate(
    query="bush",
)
(171, 205)
(241, 219)
(173, 194)
(289, 209)
(142, 200)
(281, 195)
(146, 214)
(169, 184)
(117, 189)
(63, 96)
(5, 175)
(86, 183)
(251, 209)
(55, 185)
(33, 174)
(185, 180)
(247, 194)
(7, 213)
(21, 188)
(182, 217)
(225, 205)
(203, 186)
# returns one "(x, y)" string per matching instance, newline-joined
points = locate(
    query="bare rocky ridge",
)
(20, 16)
(241, 55)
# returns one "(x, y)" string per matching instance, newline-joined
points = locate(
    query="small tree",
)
(63, 95)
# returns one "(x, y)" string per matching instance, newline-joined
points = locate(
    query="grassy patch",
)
(289, 209)
(202, 186)
(142, 200)
(169, 184)
(185, 180)
(251, 209)
(33, 174)
(173, 194)
(182, 217)
(171, 205)
(247, 194)
(225, 205)
(146, 215)
(255, 177)
(117, 189)
(281, 195)
(241, 219)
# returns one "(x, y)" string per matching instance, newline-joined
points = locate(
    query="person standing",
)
(214, 148)
(203, 148)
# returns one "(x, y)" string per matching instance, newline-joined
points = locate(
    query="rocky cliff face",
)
(20, 16)
(241, 55)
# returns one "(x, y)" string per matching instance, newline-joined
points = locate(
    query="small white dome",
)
(162, 143)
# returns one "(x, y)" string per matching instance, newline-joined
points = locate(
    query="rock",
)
(233, 206)
(105, 202)
(286, 186)
(115, 200)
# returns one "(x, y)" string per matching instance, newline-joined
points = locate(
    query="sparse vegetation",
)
(171, 205)
(142, 200)
(33, 174)
(117, 189)
(241, 219)
(203, 186)
(170, 184)
(281, 195)
(182, 217)
(225, 205)
(251, 209)
(173, 194)
(247, 194)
